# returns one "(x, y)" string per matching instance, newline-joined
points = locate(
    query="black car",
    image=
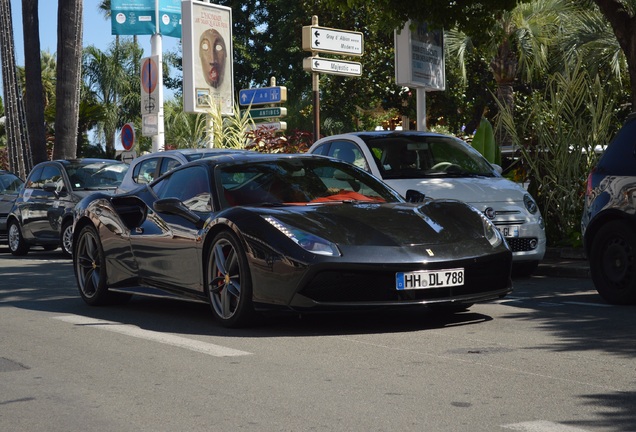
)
(609, 218)
(249, 231)
(10, 185)
(42, 214)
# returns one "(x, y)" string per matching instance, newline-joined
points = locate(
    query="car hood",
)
(473, 190)
(395, 224)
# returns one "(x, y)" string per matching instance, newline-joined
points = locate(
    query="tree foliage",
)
(469, 16)
(559, 135)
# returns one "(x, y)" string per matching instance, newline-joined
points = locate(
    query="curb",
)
(564, 262)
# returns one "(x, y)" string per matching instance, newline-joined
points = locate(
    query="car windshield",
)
(300, 181)
(409, 157)
(10, 183)
(96, 175)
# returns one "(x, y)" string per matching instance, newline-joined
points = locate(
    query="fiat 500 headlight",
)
(530, 204)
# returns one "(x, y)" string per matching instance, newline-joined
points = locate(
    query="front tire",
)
(66, 238)
(229, 283)
(89, 263)
(613, 262)
(17, 244)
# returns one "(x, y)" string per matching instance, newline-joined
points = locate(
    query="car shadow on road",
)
(45, 282)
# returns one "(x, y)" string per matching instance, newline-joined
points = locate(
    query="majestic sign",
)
(208, 77)
(139, 17)
(330, 66)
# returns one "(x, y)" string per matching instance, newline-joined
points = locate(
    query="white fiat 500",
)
(442, 166)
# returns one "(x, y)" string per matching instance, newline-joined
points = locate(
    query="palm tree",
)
(69, 67)
(33, 90)
(621, 14)
(589, 35)
(518, 46)
(110, 77)
(18, 148)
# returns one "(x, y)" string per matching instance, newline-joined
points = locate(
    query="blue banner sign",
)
(137, 17)
(265, 95)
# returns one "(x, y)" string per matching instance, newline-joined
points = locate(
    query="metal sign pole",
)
(315, 86)
(158, 140)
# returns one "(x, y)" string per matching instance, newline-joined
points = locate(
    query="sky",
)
(97, 30)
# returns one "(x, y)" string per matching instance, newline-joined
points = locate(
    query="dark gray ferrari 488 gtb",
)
(246, 232)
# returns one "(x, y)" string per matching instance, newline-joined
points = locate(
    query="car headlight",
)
(310, 242)
(530, 204)
(492, 234)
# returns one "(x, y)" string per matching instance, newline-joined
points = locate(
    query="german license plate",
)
(429, 279)
(509, 230)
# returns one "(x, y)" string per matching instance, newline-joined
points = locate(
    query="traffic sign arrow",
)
(334, 41)
(333, 67)
(262, 96)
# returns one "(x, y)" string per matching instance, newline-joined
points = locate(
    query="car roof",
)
(389, 133)
(80, 161)
(248, 156)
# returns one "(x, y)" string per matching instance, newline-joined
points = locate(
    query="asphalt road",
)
(549, 357)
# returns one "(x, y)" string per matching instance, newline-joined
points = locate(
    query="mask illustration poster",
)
(207, 38)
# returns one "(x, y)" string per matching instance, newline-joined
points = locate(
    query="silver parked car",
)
(147, 167)
(442, 166)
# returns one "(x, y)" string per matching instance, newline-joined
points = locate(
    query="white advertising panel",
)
(208, 75)
(419, 57)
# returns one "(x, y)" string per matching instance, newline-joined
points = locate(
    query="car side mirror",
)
(176, 207)
(497, 168)
(53, 188)
(415, 196)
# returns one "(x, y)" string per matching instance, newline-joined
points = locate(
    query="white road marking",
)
(165, 338)
(542, 426)
(588, 304)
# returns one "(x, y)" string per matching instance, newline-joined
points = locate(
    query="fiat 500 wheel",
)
(229, 283)
(16, 242)
(613, 262)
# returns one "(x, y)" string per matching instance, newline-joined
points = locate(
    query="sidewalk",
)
(564, 262)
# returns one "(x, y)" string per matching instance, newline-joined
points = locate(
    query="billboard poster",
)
(137, 17)
(419, 57)
(208, 77)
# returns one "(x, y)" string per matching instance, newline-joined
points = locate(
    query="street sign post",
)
(277, 126)
(263, 96)
(263, 113)
(149, 75)
(334, 41)
(128, 136)
(333, 67)
(128, 156)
